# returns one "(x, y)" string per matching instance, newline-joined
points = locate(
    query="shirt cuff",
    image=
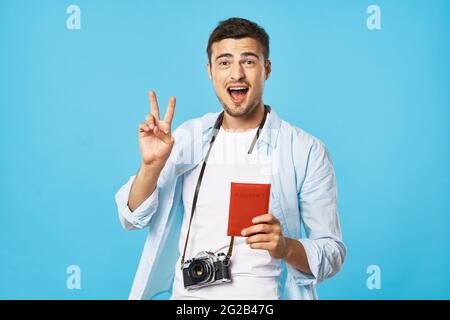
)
(141, 216)
(302, 278)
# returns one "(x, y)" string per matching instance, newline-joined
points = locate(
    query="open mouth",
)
(238, 94)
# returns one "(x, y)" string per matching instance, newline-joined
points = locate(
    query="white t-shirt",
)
(254, 272)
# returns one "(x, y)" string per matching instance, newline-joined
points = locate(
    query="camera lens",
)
(198, 270)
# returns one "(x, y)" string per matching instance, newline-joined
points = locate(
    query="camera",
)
(206, 269)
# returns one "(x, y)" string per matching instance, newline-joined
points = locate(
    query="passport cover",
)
(247, 200)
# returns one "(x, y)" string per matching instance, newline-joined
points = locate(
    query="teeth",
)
(238, 88)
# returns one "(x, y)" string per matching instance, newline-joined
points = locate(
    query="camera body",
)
(206, 269)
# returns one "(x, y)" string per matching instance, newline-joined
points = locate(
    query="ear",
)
(268, 65)
(208, 67)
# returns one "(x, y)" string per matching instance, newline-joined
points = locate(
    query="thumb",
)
(166, 138)
(164, 127)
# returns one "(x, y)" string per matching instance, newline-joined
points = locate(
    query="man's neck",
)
(244, 123)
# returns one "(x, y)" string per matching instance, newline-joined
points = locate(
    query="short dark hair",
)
(237, 28)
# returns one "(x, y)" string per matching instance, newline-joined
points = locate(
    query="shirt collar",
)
(269, 132)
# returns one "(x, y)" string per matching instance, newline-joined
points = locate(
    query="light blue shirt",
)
(303, 192)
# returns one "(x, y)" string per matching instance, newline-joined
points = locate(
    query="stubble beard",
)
(246, 112)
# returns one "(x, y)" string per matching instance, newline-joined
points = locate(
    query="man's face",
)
(238, 71)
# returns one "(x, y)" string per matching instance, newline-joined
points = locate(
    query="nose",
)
(237, 72)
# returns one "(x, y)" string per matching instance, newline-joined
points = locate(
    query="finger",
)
(260, 228)
(159, 133)
(164, 127)
(144, 130)
(262, 237)
(170, 110)
(144, 127)
(263, 245)
(265, 218)
(154, 108)
(150, 121)
(166, 138)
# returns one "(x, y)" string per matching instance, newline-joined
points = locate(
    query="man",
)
(182, 189)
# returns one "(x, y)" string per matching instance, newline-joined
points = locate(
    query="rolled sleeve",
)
(141, 216)
(325, 259)
(318, 206)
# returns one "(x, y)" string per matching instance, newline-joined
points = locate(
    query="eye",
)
(249, 62)
(223, 63)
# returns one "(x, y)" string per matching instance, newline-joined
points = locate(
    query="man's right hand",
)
(155, 143)
(155, 139)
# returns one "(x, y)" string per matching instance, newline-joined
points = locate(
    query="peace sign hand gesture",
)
(155, 139)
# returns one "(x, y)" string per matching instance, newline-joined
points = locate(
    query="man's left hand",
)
(266, 234)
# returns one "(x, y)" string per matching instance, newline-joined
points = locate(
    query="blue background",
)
(71, 102)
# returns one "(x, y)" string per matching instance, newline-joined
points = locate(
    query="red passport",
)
(247, 200)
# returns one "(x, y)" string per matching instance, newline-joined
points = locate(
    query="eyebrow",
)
(243, 54)
(246, 54)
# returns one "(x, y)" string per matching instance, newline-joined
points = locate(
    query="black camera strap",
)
(216, 129)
